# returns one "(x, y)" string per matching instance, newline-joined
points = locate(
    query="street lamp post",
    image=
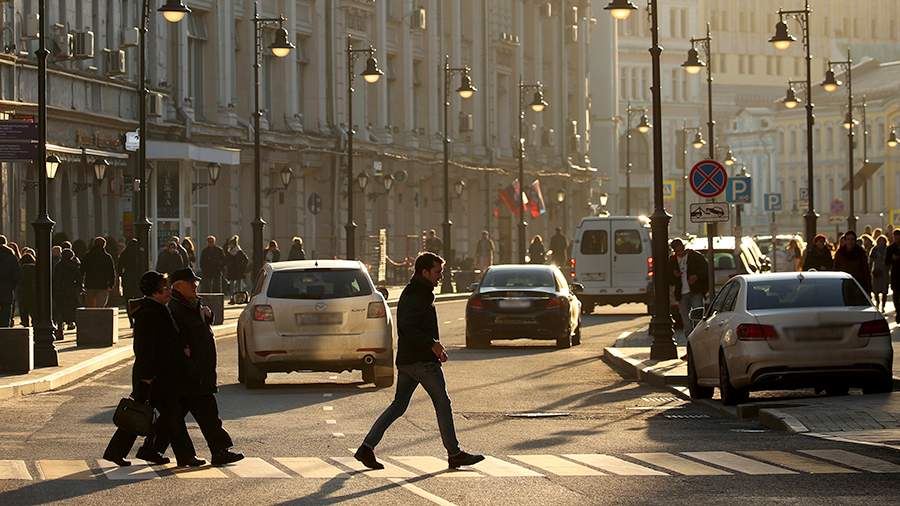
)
(782, 40)
(537, 105)
(465, 90)
(831, 84)
(697, 143)
(173, 11)
(371, 76)
(280, 48)
(663, 346)
(693, 65)
(643, 127)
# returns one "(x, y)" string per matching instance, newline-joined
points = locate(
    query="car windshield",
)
(804, 292)
(319, 284)
(531, 278)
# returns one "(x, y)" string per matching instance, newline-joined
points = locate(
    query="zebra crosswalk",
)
(652, 464)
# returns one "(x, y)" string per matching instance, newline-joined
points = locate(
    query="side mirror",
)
(577, 288)
(383, 291)
(696, 314)
(473, 287)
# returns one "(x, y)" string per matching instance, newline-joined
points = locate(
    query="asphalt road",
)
(614, 441)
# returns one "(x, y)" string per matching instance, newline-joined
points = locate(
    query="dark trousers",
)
(206, 412)
(212, 283)
(897, 302)
(169, 424)
(6, 312)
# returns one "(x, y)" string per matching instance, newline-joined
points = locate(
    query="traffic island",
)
(16, 350)
(97, 327)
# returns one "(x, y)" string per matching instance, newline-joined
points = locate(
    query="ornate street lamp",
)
(620, 9)
(537, 104)
(174, 11)
(698, 140)
(782, 40)
(729, 158)
(892, 138)
(51, 166)
(100, 166)
(287, 175)
(831, 84)
(790, 99)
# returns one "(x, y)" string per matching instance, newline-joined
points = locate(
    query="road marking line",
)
(613, 464)
(188, 473)
(625, 334)
(851, 459)
(255, 467)
(132, 472)
(327, 408)
(311, 467)
(421, 493)
(14, 470)
(389, 471)
(337, 434)
(677, 464)
(327, 395)
(69, 469)
(798, 463)
(492, 466)
(557, 465)
(737, 463)
(434, 466)
(331, 422)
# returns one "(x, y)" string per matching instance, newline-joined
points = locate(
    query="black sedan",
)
(523, 302)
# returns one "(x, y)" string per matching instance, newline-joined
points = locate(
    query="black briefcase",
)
(134, 417)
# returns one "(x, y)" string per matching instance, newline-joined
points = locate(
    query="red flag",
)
(535, 204)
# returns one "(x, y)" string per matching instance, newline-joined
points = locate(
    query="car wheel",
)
(837, 389)
(368, 374)
(730, 395)
(254, 377)
(565, 340)
(696, 390)
(576, 340)
(476, 343)
(882, 386)
(241, 372)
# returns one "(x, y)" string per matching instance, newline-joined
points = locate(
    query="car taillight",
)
(649, 267)
(755, 332)
(476, 303)
(572, 268)
(875, 328)
(263, 313)
(554, 302)
(376, 310)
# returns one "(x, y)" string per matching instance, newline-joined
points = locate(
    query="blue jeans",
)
(409, 376)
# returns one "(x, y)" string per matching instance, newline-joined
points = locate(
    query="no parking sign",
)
(708, 178)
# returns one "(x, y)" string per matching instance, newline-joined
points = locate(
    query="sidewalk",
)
(76, 363)
(864, 419)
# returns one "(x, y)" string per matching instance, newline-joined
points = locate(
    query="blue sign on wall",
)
(773, 202)
(739, 190)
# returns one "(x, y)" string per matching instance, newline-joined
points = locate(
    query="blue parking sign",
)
(773, 202)
(739, 190)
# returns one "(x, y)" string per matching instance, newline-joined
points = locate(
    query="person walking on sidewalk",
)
(559, 248)
(272, 253)
(197, 396)
(68, 285)
(852, 259)
(433, 243)
(236, 263)
(159, 373)
(893, 263)
(536, 254)
(419, 358)
(99, 274)
(212, 265)
(131, 268)
(484, 252)
(170, 259)
(297, 252)
(880, 273)
(26, 287)
(10, 276)
(818, 255)
(689, 273)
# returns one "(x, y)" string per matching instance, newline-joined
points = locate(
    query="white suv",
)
(315, 315)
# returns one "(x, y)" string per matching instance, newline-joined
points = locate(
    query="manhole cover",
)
(537, 415)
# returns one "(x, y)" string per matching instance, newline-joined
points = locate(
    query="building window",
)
(196, 43)
(751, 64)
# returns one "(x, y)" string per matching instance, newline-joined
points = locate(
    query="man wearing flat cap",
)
(198, 394)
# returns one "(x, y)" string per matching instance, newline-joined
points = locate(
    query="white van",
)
(611, 256)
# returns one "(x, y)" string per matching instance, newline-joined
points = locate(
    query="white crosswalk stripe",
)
(64, 469)
(132, 472)
(492, 466)
(851, 459)
(738, 463)
(389, 471)
(311, 467)
(255, 467)
(798, 462)
(196, 473)
(14, 470)
(614, 465)
(557, 465)
(434, 466)
(678, 464)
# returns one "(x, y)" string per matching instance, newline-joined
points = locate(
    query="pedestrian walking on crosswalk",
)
(419, 358)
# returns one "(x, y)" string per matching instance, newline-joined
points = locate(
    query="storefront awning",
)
(168, 150)
(68, 154)
(868, 170)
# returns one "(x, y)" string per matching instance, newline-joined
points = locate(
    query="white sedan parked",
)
(316, 315)
(789, 330)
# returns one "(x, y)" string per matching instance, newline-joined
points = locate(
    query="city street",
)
(589, 437)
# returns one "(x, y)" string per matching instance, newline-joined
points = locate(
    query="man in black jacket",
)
(10, 275)
(892, 259)
(419, 357)
(689, 275)
(212, 265)
(160, 369)
(197, 396)
(99, 274)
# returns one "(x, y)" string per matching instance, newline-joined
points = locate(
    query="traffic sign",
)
(773, 202)
(314, 203)
(708, 178)
(739, 190)
(836, 219)
(669, 189)
(837, 206)
(710, 212)
(132, 141)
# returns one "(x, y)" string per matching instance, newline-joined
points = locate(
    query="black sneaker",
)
(117, 461)
(226, 457)
(191, 462)
(366, 455)
(152, 456)
(463, 459)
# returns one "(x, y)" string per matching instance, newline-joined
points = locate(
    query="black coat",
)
(559, 246)
(818, 259)
(892, 259)
(855, 262)
(296, 252)
(131, 269)
(26, 288)
(67, 288)
(158, 350)
(536, 253)
(212, 261)
(196, 332)
(236, 265)
(696, 266)
(169, 262)
(10, 274)
(417, 324)
(99, 270)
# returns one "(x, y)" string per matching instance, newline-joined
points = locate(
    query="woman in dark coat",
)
(818, 255)
(26, 288)
(536, 251)
(68, 287)
(852, 259)
(130, 269)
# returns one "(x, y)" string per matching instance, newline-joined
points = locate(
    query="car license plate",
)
(320, 318)
(514, 304)
(818, 333)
